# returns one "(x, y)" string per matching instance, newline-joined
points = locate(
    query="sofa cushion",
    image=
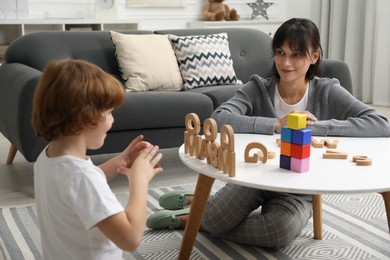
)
(204, 60)
(159, 109)
(218, 94)
(147, 62)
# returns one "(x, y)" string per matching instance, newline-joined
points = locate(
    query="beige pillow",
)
(147, 62)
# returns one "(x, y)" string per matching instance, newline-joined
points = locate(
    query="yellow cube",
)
(296, 121)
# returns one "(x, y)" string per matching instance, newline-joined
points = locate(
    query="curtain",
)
(358, 32)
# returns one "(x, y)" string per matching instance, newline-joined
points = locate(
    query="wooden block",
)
(331, 144)
(300, 165)
(332, 151)
(278, 141)
(301, 136)
(296, 121)
(334, 155)
(270, 155)
(317, 144)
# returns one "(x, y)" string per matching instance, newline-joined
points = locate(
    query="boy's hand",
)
(133, 150)
(144, 166)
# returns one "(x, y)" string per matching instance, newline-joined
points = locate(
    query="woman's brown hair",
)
(71, 95)
(300, 34)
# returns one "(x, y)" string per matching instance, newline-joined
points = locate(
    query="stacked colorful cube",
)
(295, 144)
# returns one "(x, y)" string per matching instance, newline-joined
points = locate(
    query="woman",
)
(261, 106)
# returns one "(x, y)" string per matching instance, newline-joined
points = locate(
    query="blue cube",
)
(286, 134)
(302, 136)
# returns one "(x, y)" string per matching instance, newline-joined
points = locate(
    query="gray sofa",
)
(158, 115)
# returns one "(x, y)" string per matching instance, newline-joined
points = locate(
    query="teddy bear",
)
(216, 10)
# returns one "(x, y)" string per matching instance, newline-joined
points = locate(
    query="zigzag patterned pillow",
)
(204, 60)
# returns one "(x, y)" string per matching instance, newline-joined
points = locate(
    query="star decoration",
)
(259, 8)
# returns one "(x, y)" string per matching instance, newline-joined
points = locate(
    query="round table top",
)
(324, 175)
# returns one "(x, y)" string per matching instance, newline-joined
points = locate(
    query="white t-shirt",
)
(283, 109)
(72, 196)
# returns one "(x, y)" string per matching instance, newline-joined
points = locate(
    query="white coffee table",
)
(324, 176)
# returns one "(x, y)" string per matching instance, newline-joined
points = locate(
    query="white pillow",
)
(205, 60)
(147, 62)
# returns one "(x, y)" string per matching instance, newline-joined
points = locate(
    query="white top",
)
(324, 176)
(283, 109)
(72, 196)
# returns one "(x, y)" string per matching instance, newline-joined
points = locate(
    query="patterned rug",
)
(354, 227)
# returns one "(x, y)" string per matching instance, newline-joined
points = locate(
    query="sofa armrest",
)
(17, 87)
(337, 69)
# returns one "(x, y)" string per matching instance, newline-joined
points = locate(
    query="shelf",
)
(268, 27)
(10, 30)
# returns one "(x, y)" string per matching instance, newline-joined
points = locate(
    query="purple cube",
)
(284, 162)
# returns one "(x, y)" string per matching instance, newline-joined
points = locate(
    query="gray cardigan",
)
(251, 110)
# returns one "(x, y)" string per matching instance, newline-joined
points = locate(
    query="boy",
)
(79, 216)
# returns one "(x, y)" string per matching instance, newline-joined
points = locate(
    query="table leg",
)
(386, 198)
(317, 216)
(201, 196)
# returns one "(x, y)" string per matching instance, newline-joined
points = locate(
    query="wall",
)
(162, 18)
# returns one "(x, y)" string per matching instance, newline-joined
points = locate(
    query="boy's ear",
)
(83, 121)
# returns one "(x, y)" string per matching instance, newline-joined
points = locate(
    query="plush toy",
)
(216, 10)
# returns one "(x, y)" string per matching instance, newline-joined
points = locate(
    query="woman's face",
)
(292, 65)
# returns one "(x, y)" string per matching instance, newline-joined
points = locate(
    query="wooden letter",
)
(330, 144)
(317, 144)
(192, 141)
(227, 156)
(254, 158)
(213, 154)
(334, 155)
(362, 160)
(210, 129)
(204, 150)
(210, 133)
(192, 124)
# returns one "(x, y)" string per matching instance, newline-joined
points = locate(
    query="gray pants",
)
(233, 213)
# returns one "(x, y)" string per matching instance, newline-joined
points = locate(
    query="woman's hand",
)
(310, 118)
